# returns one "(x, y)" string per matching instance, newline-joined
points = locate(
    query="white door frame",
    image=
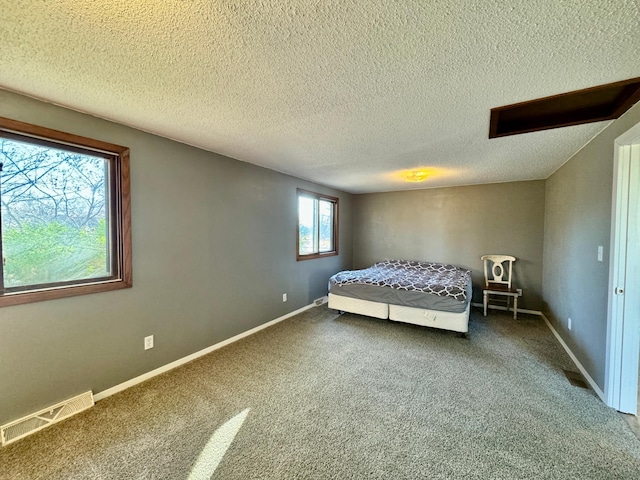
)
(623, 322)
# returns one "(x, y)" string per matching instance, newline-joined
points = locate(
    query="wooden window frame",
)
(119, 214)
(318, 196)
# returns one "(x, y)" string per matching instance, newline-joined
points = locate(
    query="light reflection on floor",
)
(216, 447)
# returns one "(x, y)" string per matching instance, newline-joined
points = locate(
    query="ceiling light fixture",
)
(416, 176)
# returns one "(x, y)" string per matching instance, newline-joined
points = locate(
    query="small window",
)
(317, 225)
(64, 216)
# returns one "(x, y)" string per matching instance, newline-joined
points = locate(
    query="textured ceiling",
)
(345, 93)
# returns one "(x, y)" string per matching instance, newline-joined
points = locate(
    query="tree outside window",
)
(64, 214)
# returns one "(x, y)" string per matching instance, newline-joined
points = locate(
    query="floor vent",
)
(319, 301)
(575, 379)
(37, 421)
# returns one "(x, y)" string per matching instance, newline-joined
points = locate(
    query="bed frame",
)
(457, 322)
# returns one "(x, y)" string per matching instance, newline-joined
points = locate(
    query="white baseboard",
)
(584, 372)
(170, 366)
(499, 307)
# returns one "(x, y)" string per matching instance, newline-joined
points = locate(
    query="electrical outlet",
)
(148, 342)
(284, 297)
(600, 252)
(569, 323)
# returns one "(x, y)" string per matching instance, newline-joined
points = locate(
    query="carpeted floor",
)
(348, 397)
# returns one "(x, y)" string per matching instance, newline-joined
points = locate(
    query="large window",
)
(317, 225)
(64, 214)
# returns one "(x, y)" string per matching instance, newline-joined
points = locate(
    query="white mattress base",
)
(457, 322)
(361, 307)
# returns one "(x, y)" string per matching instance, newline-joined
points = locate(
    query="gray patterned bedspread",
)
(405, 282)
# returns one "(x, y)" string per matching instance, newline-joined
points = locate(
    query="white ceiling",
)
(346, 93)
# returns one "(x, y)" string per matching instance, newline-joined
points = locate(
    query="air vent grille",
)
(575, 379)
(37, 421)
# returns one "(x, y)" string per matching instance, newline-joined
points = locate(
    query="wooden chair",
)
(497, 280)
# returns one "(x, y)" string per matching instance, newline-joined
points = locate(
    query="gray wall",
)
(213, 252)
(457, 225)
(577, 220)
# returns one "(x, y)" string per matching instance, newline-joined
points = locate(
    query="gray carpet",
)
(328, 396)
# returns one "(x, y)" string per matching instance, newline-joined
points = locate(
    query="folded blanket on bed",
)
(434, 278)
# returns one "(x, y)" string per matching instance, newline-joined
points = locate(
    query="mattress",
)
(423, 285)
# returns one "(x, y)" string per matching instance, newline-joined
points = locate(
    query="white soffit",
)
(344, 93)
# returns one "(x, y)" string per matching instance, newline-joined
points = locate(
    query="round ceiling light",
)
(416, 176)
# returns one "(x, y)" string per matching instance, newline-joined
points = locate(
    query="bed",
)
(422, 293)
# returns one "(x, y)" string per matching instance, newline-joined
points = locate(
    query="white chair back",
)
(495, 271)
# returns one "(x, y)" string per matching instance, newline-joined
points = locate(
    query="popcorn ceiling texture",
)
(345, 93)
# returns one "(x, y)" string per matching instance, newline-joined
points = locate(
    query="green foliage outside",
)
(53, 214)
(53, 252)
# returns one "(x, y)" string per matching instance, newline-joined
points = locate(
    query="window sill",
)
(19, 298)
(316, 255)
